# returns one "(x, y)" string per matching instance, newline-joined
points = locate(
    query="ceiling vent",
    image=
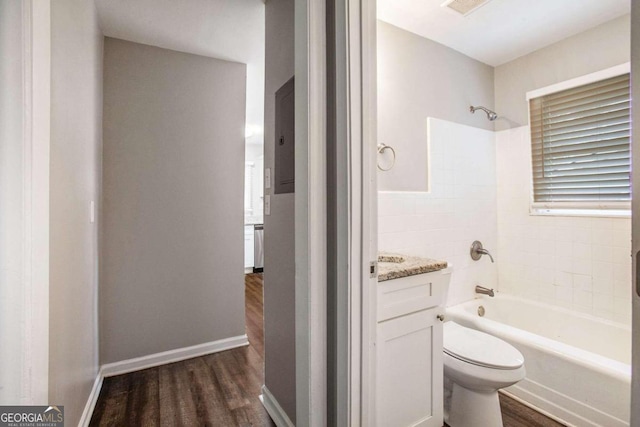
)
(464, 7)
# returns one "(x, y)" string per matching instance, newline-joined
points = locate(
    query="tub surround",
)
(559, 347)
(579, 263)
(394, 266)
(460, 208)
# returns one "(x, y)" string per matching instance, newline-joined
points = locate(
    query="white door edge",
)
(310, 213)
(36, 57)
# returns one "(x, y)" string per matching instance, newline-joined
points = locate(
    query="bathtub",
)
(578, 366)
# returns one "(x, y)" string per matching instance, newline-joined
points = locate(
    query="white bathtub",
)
(578, 366)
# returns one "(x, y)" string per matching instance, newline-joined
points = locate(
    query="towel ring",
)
(381, 149)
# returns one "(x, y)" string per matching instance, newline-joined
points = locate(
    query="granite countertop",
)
(393, 266)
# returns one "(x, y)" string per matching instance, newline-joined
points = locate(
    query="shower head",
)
(491, 115)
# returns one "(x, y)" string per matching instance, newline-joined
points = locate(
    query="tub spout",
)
(484, 291)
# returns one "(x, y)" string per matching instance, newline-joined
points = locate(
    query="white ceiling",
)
(232, 30)
(500, 30)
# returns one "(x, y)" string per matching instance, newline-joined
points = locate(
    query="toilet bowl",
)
(478, 365)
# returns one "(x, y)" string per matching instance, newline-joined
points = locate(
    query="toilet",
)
(478, 365)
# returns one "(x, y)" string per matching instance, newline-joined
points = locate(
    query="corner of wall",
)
(75, 159)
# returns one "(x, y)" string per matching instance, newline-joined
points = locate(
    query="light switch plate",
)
(267, 204)
(92, 212)
(267, 178)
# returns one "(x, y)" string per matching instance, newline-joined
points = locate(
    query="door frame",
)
(35, 60)
(361, 102)
(354, 24)
(310, 213)
(354, 192)
(635, 213)
(37, 78)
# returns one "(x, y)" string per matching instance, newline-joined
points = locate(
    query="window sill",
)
(599, 213)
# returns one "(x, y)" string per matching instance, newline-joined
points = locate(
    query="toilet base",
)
(471, 408)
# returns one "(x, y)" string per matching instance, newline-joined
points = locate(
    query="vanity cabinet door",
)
(409, 375)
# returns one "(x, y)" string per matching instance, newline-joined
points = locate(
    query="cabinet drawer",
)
(406, 295)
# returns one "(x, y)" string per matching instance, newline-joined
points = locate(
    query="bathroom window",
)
(580, 144)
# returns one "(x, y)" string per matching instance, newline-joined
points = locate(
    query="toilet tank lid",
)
(480, 348)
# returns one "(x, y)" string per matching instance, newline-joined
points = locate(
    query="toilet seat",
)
(479, 348)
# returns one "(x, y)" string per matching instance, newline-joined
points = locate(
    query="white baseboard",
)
(153, 360)
(176, 355)
(91, 402)
(275, 411)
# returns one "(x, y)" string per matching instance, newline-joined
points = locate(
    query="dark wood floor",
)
(515, 414)
(221, 389)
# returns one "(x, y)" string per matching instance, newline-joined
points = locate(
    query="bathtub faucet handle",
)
(485, 252)
(477, 251)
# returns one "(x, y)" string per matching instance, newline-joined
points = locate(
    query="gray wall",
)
(419, 78)
(76, 130)
(11, 195)
(172, 247)
(593, 50)
(279, 235)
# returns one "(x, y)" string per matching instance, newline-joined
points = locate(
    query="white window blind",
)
(580, 144)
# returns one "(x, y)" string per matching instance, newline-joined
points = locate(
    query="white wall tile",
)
(583, 282)
(461, 208)
(481, 190)
(582, 298)
(587, 259)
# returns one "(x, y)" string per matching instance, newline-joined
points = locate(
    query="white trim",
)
(363, 201)
(369, 214)
(635, 222)
(87, 413)
(618, 70)
(36, 66)
(310, 213)
(602, 213)
(275, 411)
(27, 168)
(347, 188)
(355, 26)
(170, 356)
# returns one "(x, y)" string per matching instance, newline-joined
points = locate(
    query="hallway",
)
(219, 389)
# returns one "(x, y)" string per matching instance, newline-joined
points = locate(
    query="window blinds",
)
(580, 143)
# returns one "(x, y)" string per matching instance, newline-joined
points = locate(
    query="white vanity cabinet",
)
(409, 387)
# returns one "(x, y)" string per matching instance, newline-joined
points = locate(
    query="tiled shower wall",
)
(582, 263)
(460, 208)
(480, 190)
